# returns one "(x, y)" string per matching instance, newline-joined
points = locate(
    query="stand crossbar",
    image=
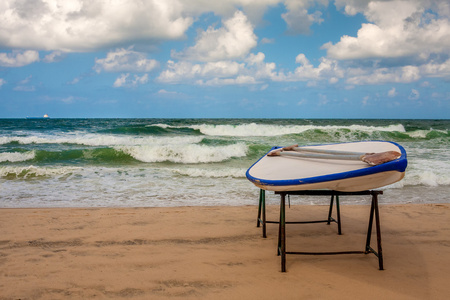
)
(261, 219)
(374, 213)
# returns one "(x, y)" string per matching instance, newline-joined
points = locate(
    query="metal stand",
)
(261, 219)
(373, 212)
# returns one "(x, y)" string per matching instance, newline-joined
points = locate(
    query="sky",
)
(225, 59)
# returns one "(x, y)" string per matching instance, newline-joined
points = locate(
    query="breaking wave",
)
(17, 156)
(185, 154)
(99, 140)
(254, 129)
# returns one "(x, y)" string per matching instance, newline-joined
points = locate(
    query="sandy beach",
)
(219, 253)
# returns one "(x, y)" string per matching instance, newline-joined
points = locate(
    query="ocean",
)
(193, 162)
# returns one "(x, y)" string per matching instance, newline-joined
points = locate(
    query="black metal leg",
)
(279, 229)
(279, 238)
(262, 212)
(330, 211)
(377, 224)
(283, 232)
(369, 230)
(264, 221)
(259, 208)
(338, 212)
(374, 212)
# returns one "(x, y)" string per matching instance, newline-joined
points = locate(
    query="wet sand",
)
(219, 253)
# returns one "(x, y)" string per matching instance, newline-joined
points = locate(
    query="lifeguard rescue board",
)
(287, 173)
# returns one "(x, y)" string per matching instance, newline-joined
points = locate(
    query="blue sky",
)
(225, 59)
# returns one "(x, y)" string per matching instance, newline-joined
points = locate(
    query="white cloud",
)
(414, 95)
(257, 66)
(88, 25)
(323, 100)
(125, 60)
(2, 82)
(332, 71)
(365, 100)
(254, 9)
(297, 17)
(24, 88)
(405, 74)
(75, 80)
(241, 79)
(232, 41)
(333, 80)
(352, 7)
(24, 85)
(55, 56)
(267, 41)
(328, 69)
(397, 29)
(179, 71)
(80, 25)
(18, 58)
(302, 102)
(187, 71)
(164, 92)
(125, 80)
(26, 80)
(253, 69)
(392, 92)
(436, 69)
(68, 100)
(221, 68)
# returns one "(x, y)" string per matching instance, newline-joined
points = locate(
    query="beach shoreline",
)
(217, 252)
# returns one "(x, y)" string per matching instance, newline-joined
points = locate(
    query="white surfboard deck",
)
(286, 173)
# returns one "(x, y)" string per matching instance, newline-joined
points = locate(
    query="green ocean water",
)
(184, 162)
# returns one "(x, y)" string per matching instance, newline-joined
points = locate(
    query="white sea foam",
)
(418, 133)
(187, 153)
(253, 129)
(244, 130)
(426, 178)
(17, 156)
(209, 173)
(135, 186)
(423, 133)
(24, 172)
(159, 125)
(427, 167)
(101, 140)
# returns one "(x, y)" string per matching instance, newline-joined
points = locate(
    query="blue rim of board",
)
(398, 164)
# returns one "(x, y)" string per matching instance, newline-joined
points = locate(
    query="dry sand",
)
(219, 253)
